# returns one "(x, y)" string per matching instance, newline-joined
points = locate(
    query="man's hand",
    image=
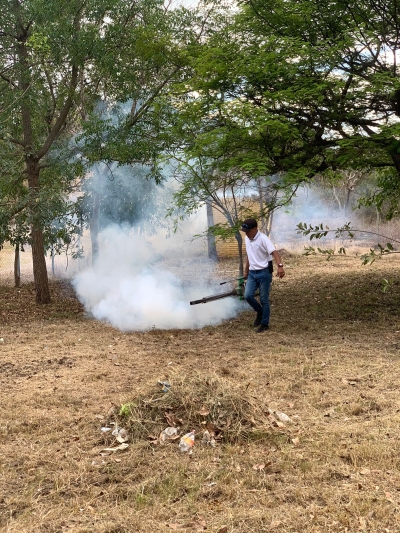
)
(281, 272)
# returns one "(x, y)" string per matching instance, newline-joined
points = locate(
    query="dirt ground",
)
(330, 362)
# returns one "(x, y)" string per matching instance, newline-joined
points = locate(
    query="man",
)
(258, 271)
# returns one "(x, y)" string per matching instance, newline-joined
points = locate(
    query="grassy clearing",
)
(330, 362)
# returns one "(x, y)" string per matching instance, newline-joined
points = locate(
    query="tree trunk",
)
(211, 246)
(269, 198)
(37, 239)
(32, 166)
(39, 266)
(94, 226)
(17, 267)
(268, 228)
(262, 221)
(53, 266)
(239, 239)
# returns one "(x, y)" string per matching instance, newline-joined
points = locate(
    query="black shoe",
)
(257, 321)
(263, 327)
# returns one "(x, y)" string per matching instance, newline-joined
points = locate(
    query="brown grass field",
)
(331, 362)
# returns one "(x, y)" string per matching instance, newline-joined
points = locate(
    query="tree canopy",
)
(59, 60)
(300, 88)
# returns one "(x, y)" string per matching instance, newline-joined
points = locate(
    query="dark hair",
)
(249, 224)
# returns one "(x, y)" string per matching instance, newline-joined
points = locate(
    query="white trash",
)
(187, 442)
(170, 433)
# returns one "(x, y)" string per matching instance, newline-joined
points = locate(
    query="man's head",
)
(249, 226)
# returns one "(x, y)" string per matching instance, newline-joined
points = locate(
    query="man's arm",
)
(279, 264)
(247, 268)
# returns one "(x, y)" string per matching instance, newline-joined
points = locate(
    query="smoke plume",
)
(137, 285)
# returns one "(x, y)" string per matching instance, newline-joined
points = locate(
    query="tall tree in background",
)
(36, 101)
(233, 194)
(58, 59)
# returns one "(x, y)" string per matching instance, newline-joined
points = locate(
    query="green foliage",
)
(386, 196)
(380, 251)
(61, 58)
(125, 409)
(320, 231)
(297, 89)
(328, 252)
(386, 285)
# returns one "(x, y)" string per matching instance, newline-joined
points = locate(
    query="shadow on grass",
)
(340, 297)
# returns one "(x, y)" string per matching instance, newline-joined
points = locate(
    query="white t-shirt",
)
(259, 251)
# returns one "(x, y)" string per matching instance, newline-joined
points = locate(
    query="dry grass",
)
(229, 411)
(330, 362)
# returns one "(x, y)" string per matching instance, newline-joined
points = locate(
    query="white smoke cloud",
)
(130, 287)
(311, 207)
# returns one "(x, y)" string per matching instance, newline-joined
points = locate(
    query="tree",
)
(345, 86)
(233, 194)
(59, 58)
(300, 88)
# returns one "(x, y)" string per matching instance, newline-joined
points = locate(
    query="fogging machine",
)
(237, 291)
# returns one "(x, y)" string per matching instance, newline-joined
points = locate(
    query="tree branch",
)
(62, 116)
(134, 117)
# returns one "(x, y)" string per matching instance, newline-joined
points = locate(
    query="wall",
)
(229, 247)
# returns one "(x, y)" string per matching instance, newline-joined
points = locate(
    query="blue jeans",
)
(259, 279)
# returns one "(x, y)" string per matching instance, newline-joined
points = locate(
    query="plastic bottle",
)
(187, 442)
